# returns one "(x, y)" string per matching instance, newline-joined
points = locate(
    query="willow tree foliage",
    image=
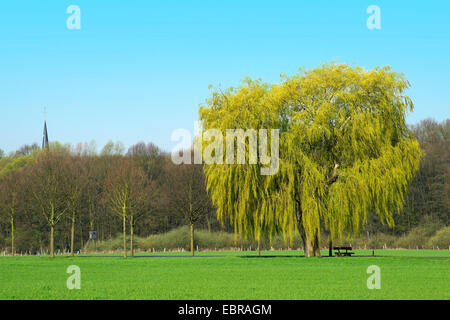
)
(238, 190)
(345, 153)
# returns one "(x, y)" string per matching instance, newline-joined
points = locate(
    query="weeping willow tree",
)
(239, 190)
(345, 153)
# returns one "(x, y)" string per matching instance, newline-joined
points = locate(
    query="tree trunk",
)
(13, 249)
(307, 247)
(330, 248)
(316, 246)
(259, 247)
(52, 249)
(52, 231)
(124, 222)
(311, 248)
(131, 236)
(72, 235)
(192, 239)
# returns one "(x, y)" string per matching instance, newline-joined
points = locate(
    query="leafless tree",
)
(125, 191)
(48, 182)
(186, 193)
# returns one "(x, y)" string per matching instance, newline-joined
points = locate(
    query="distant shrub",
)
(113, 244)
(174, 239)
(417, 237)
(423, 237)
(441, 239)
(180, 239)
(374, 241)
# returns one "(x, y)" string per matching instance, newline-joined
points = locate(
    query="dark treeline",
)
(428, 199)
(64, 192)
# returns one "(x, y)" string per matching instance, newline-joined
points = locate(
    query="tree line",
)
(86, 179)
(51, 199)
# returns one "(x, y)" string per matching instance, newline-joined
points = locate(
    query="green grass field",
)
(405, 274)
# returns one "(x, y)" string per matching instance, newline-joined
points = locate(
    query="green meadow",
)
(405, 274)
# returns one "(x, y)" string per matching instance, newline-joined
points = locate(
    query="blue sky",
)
(137, 70)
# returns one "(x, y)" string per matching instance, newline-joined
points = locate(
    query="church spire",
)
(45, 135)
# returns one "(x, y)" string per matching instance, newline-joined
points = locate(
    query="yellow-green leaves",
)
(345, 151)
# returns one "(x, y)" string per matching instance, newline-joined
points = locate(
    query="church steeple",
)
(45, 135)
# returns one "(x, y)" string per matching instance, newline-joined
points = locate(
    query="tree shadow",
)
(159, 256)
(303, 256)
(271, 256)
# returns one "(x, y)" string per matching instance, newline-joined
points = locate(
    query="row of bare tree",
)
(86, 192)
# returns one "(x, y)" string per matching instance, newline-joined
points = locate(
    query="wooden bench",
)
(347, 252)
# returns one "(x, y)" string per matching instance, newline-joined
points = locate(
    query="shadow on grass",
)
(273, 256)
(302, 256)
(270, 256)
(134, 257)
(179, 256)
